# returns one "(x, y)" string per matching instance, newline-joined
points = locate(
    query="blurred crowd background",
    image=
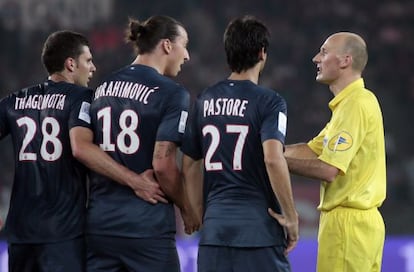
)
(298, 28)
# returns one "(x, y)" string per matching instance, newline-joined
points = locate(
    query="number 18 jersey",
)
(132, 109)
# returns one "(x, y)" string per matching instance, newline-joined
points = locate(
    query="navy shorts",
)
(67, 256)
(109, 254)
(242, 259)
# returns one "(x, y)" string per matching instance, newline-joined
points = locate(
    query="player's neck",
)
(151, 60)
(242, 76)
(251, 74)
(245, 75)
(58, 77)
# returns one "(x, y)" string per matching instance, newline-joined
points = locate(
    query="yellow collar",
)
(354, 86)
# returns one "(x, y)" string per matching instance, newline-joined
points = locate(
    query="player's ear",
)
(166, 46)
(70, 64)
(262, 54)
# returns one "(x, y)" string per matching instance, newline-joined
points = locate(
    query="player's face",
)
(327, 61)
(84, 67)
(179, 53)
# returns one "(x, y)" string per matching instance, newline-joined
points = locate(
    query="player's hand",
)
(147, 188)
(191, 221)
(291, 228)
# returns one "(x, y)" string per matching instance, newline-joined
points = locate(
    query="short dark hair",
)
(146, 35)
(61, 45)
(244, 38)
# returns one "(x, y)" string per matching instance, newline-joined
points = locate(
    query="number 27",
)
(213, 131)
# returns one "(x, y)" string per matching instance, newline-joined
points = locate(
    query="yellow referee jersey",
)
(353, 141)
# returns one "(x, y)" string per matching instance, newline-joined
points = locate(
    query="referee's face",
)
(328, 61)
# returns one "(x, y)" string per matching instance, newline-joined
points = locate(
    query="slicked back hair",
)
(146, 35)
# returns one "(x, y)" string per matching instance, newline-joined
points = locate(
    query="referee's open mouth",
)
(318, 69)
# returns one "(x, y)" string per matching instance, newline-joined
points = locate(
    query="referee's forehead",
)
(333, 42)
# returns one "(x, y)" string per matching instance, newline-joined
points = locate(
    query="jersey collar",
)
(352, 87)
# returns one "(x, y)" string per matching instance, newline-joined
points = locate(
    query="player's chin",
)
(87, 81)
(178, 70)
(84, 83)
(174, 73)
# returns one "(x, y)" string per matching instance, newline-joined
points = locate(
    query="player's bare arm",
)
(83, 149)
(170, 179)
(166, 169)
(303, 161)
(193, 181)
(278, 172)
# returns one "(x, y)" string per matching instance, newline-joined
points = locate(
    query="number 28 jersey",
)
(48, 198)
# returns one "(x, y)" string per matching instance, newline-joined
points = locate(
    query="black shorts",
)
(67, 256)
(242, 259)
(108, 253)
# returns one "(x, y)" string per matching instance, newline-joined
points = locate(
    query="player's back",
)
(133, 108)
(48, 196)
(233, 119)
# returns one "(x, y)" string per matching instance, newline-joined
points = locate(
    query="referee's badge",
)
(340, 142)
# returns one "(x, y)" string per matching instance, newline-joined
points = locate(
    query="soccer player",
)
(45, 222)
(236, 134)
(138, 116)
(348, 157)
(50, 128)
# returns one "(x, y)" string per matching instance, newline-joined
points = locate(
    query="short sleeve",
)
(274, 123)
(191, 141)
(79, 112)
(316, 144)
(174, 118)
(344, 136)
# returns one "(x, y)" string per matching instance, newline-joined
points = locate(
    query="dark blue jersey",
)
(132, 109)
(229, 122)
(48, 198)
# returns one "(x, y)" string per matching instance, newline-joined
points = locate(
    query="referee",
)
(348, 156)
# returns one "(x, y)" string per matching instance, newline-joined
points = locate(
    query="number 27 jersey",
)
(227, 127)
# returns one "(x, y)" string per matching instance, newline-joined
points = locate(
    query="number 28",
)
(50, 130)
